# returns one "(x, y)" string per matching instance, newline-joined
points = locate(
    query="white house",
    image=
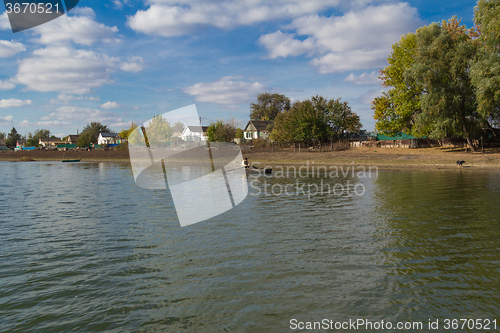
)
(194, 133)
(256, 129)
(107, 138)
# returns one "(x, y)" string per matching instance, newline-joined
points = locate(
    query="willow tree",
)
(396, 110)
(485, 71)
(269, 106)
(442, 66)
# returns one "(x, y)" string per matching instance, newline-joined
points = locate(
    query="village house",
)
(72, 139)
(108, 138)
(257, 129)
(53, 142)
(3, 145)
(194, 133)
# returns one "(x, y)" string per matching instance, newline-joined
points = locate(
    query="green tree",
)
(96, 128)
(396, 110)
(239, 133)
(124, 133)
(86, 139)
(158, 131)
(12, 138)
(178, 127)
(485, 70)
(220, 131)
(442, 66)
(316, 118)
(33, 139)
(269, 106)
(2, 136)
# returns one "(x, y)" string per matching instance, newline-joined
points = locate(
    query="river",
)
(83, 248)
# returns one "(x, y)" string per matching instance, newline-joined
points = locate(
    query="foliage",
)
(239, 133)
(485, 70)
(315, 119)
(124, 133)
(33, 139)
(12, 138)
(2, 136)
(95, 128)
(442, 66)
(158, 131)
(178, 127)
(221, 131)
(86, 139)
(269, 106)
(396, 110)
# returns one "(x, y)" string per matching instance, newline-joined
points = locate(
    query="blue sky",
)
(124, 61)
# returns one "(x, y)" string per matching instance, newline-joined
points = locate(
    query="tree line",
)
(313, 119)
(444, 80)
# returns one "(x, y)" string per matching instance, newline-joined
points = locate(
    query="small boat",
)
(66, 161)
(266, 171)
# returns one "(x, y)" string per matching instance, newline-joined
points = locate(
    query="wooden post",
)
(294, 150)
(320, 146)
(299, 147)
(273, 146)
(482, 144)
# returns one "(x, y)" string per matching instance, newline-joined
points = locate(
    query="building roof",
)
(72, 138)
(2, 142)
(196, 129)
(108, 135)
(258, 125)
(50, 140)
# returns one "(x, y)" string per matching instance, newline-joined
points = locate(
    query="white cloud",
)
(369, 95)
(10, 48)
(68, 98)
(226, 90)
(363, 79)
(110, 105)
(179, 17)
(6, 85)
(357, 40)
(6, 120)
(12, 102)
(72, 113)
(65, 70)
(81, 29)
(4, 22)
(119, 4)
(283, 45)
(134, 65)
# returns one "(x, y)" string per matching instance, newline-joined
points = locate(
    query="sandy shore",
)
(390, 158)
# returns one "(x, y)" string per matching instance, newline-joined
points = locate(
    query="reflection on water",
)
(83, 248)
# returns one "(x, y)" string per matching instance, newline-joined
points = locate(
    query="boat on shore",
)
(69, 161)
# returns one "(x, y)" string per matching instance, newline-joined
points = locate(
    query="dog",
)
(459, 163)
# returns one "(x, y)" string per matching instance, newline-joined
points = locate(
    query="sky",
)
(124, 61)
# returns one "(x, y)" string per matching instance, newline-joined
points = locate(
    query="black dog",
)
(459, 163)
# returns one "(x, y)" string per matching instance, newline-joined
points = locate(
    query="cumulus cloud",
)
(356, 40)
(6, 85)
(226, 90)
(174, 18)
(72, 113)
(4, 22)
(6, 120)
(10, 48)
(65, 70)
(110, 105)
(134, 65)
(363, 79)
(81, 29)
(12, 102)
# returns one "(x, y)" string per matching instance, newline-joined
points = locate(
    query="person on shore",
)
(245, 163)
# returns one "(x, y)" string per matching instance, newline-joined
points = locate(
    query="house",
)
(72, 139)
(257, 129)
(20, 143)
(3, 146)
(194, 133)
(45, 142)
(108, 138)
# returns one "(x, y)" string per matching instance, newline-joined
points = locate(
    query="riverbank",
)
(390, 158)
